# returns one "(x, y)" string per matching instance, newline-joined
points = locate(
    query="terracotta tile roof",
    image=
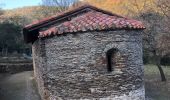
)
(81, 19)
(92, 21)
(66, 13)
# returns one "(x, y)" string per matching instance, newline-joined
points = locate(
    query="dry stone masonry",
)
(90, 61)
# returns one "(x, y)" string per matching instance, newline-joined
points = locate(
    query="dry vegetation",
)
(25, 11)
(28, 13)
(124, 7)
(154, 87)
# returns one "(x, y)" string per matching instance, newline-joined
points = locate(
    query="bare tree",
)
(156, 38)
(61, 4)
(164, 6)
(53, 7)
(155, 15)
(135, 7)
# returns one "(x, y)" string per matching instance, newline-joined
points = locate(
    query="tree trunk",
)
(158, 64)
(5, 52)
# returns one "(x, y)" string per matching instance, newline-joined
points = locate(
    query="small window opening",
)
(110, 61)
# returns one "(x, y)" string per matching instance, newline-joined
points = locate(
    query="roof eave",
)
(30, 36)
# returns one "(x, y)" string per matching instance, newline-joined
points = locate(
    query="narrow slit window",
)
(110, 61)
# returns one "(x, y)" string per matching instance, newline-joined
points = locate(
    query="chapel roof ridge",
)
(65, 13)
(80, 19)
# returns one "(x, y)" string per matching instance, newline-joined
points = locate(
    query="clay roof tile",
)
(93, 19)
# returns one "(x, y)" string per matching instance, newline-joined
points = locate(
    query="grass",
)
(156, 89)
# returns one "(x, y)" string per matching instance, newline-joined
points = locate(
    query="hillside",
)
(121, 7)
(115, 6)
(25, 11)
(30, 13)
(124, 7)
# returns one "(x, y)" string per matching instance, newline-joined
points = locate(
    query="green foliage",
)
(11, 25)
(10, 35)
(145, 10)
(165, 61)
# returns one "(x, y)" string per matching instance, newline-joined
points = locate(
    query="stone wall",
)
(39, 63)
(74, 66)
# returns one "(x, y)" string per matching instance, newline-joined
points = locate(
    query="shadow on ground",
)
(154, 88)
(20, 86)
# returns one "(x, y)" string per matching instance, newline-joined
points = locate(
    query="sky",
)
(10, 4)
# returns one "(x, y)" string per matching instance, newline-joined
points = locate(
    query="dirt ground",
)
(20, 86)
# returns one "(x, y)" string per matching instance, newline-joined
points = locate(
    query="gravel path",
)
(20, 86)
